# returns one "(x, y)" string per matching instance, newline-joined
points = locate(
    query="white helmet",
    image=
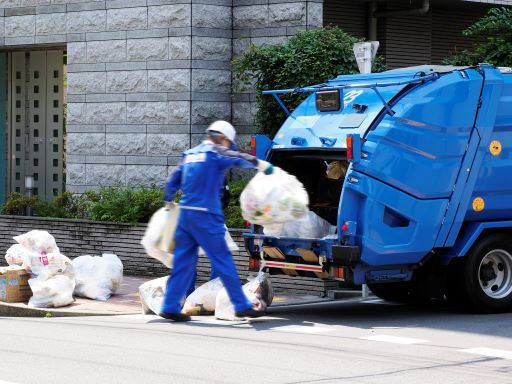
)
(223, 127)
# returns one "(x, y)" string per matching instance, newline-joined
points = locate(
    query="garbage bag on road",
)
(273, 199)
(152, 295)
(97, 277)
(158, 240)
(258, 290)
(51, 292)
(310, 226)
(202, 300)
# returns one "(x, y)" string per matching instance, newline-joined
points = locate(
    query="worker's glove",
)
(265, 167)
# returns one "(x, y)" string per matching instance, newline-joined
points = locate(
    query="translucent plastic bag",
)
(202, 300)
(310, 226)
(158, 240)
(38, 241)
(274, 199)
(152, 295)
(97, 277)
(51, 292)
(258, 290)
(15, 254)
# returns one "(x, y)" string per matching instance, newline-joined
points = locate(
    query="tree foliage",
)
(310, 57)
(494, 40)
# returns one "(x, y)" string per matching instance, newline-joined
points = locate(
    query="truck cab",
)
(425, 205)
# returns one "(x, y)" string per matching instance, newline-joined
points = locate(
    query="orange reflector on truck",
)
(338, 273)
(254, 264)
(350, 148)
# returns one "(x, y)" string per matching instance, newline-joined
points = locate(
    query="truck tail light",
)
(254, 264)
(247, 224)
(253, 145)
(350, 148)
(339, 273)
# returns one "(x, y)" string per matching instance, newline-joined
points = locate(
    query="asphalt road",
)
(371, 342)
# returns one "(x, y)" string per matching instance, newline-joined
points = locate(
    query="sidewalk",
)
(126, 302)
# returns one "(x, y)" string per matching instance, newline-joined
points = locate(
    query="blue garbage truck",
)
(424, 210)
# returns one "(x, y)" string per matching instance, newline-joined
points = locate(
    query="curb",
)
(17, 310)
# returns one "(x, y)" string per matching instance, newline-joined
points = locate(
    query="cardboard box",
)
(14, 286)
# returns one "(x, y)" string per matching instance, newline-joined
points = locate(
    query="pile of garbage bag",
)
(55, 279)
(274, 199)
(209, 298)
(311, 226)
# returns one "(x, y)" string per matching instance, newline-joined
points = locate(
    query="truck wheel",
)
(486, 275)
(399, 292)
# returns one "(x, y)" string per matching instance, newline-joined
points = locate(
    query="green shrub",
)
(494, 40)
(64, 206)
(310, 57)
(233, 213)
(125, 205)
(17, 204)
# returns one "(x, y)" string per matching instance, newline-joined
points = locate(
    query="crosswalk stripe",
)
(490, 352)
(301, 329)
(394, 339)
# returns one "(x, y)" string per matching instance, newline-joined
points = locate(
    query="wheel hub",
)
(495, 274)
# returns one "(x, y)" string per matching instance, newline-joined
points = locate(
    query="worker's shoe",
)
(252, 313)
(178, 317)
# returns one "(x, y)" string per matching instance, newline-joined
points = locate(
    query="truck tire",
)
(399, 292)
(485, 275)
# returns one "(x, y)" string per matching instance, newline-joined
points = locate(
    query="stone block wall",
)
(76, 237)
(146, 77)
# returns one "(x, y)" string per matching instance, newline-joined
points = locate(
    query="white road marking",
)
(394, 339)
(301, 329)
(490, 352)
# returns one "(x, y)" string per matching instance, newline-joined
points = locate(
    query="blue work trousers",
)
(197, 228)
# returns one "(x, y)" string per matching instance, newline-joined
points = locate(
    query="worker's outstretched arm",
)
(229, 159)
(173, 185)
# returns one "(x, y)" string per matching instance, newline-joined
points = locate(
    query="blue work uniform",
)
(200, 177)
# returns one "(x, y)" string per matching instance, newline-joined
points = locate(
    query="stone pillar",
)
(129, 89)
(266, 22)
(211, 64)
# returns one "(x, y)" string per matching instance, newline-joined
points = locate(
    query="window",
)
(18, 75)
(36, 118)
(55, 118)
(36, 74)
(36, 88)
(36, 162)
(55, 74)
(55, 162)
(55, 147)
(55, 177)
(36, 147)
(36, 103)
(55, 103)
(36, 132)
(55, 89)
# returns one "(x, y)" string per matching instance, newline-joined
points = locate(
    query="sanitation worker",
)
(200, 177)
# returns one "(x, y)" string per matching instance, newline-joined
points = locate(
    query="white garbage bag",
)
(152, 295)
(15, 254)
(258, 290)
(38, 241)
(48, 264)
(158, 240)
(202, 300)
(97, 277)
(310, 226)
(51, 292)
(273, 199)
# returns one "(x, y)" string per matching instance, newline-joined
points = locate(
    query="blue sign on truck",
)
(425, 208)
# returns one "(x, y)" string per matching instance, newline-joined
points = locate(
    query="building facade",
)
(110, 92)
